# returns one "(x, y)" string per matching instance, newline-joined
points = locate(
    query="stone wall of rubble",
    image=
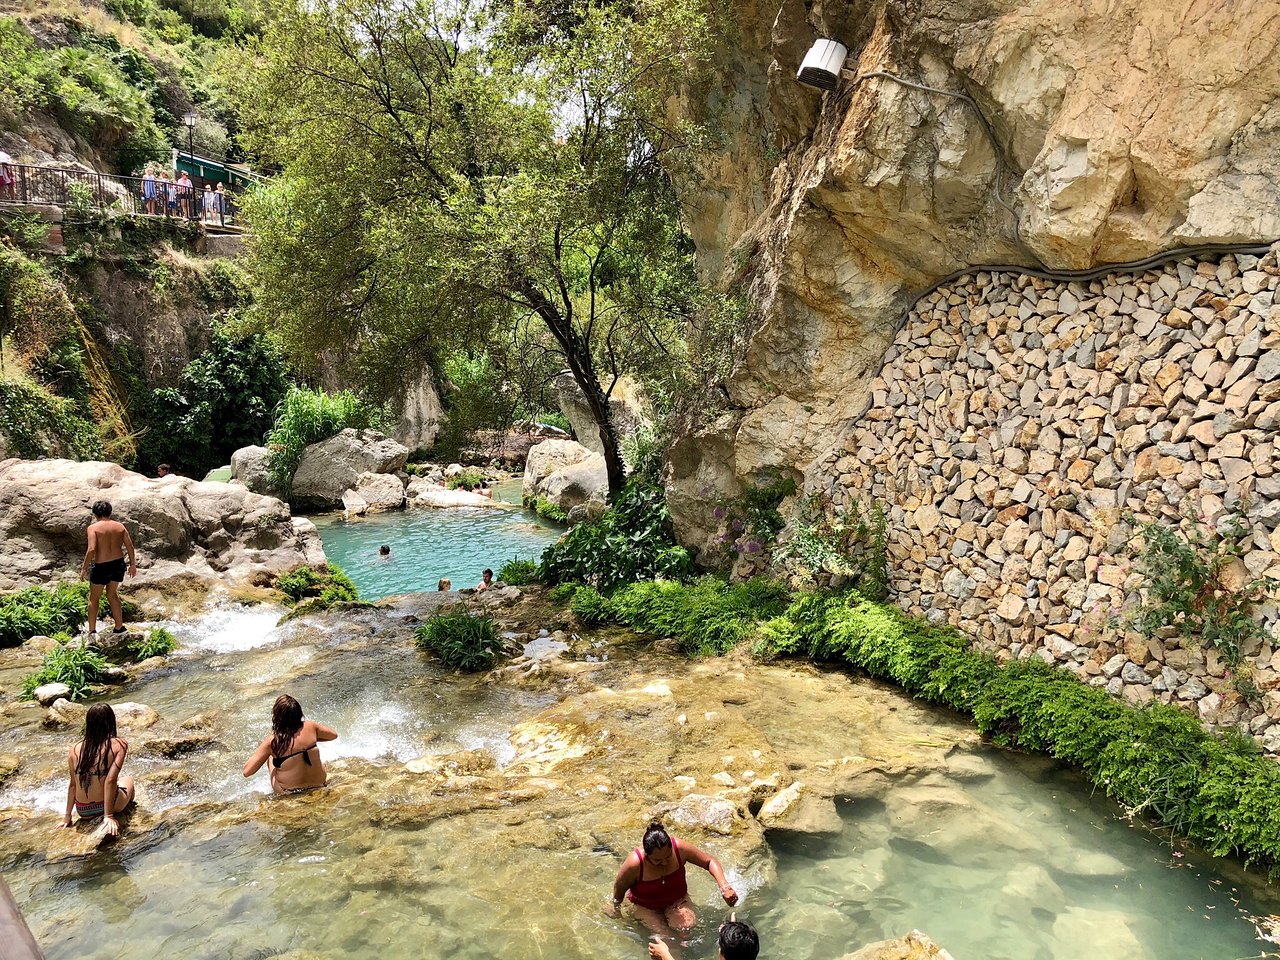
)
(1020, 428)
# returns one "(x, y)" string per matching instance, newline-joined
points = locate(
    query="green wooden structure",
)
(236, 176)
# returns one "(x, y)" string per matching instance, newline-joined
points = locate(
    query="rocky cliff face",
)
(1108, 131)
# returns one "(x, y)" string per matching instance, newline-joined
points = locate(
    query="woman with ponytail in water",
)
(96, 788)
(293, 749)
(652, 878)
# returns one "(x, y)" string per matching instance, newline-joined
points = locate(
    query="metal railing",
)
(70, 188)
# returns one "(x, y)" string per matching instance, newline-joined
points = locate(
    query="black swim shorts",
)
(110, 571)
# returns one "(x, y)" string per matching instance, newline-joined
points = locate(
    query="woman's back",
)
(299, 766)
(89, 786)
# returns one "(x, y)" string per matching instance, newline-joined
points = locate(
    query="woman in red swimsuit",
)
(652, 878)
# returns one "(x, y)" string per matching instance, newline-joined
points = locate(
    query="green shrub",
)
(633, 541)
(518, 573)
(36, 611)
(39, 424)
(562, 592)
(548, 510)
(71, 662)
(462, 641)
(853, 543)
(589, 606)
(40, 611)
(326, 584)
(467, 478)
(707, 617)
(158, 642)
(309, 416)
(1186, 573)
(225, 400)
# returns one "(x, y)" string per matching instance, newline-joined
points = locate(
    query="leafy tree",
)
(226, 400)
(448, 175)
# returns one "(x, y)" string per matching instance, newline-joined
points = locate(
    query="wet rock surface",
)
(506, 799)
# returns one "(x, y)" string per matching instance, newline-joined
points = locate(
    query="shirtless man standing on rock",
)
(104, 564)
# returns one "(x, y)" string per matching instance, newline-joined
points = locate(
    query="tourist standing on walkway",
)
(8, 178)
(170, 195)
(149, 190)
(210, 204)
(186, 194)
(223, 197)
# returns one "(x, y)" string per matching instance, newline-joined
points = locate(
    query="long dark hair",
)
(286, 721)
(95, 751)
(656, 837)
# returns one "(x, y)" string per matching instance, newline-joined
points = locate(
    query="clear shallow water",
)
(427, 545)
(1017, 863)
(1025, 865)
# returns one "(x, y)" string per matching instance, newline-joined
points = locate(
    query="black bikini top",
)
(277, 762)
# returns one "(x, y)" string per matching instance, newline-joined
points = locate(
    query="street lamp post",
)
(189, 118)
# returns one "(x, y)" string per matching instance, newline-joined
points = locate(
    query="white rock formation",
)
(565, 473)
(178, 525)
(628, 406)
(332, 466)
(420, 415)
(250, 465)
(380, 491)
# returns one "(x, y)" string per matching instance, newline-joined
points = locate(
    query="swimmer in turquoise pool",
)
(293, 749)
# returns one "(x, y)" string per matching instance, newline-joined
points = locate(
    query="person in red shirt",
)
(652, 878)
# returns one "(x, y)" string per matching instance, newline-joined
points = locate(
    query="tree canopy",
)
(448, 172)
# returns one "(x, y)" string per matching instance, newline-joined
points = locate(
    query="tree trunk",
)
(577, 354)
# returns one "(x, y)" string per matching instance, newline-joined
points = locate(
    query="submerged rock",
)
(914, 946)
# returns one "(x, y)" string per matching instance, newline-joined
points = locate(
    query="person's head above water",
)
(286, 721)
(738, 941)
(102, 509)
(99, 729)
(384, 550)
(445, 585)
(487, 575)
(657, 844)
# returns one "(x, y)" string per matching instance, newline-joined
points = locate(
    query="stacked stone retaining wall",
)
(1016, 422)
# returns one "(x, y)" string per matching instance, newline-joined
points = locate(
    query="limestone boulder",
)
(46, 694)
(179, 526)
(251, 466)
(380, 491)
(331, 467)
(564, 473)
(421, 413)
(629, 408)
(425, 493)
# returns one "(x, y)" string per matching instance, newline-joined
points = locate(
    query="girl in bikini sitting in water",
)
(652, 878)
(96, 788)
(293, 749)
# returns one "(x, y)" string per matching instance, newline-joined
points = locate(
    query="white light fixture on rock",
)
(822, 64)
